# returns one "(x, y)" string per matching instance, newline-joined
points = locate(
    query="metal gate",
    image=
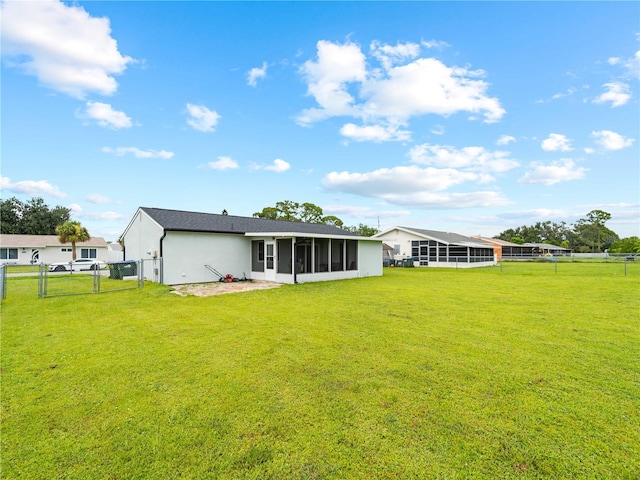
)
(113, 278)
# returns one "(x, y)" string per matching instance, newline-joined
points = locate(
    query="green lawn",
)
(520, 372)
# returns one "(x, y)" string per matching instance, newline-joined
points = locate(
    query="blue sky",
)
(471, 117)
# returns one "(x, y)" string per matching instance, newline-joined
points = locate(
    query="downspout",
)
(295, 264)
(164, 234)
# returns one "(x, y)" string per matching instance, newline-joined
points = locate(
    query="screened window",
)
(352, 254)
(285, 253)
(88, 253)
(337, 255)
(321, 255)
(257, 256)
(303, 255)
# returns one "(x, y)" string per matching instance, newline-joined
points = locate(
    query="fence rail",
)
(116, 277)
(3, 282)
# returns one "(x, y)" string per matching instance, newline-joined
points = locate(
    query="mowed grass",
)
(422, 373)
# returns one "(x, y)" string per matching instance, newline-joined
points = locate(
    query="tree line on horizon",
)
(587, 235)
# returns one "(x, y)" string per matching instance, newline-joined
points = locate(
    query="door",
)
(270, 261)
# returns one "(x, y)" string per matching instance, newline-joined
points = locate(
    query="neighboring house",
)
(430, 248)
(181, 247)
(546, 249)
(32, 249)
(514, 251)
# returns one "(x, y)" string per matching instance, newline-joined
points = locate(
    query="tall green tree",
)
(10, 213)
(72, 232)
(593, 232)
(33, 217)
(298, 212)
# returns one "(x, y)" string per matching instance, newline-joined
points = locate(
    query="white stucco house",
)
(430, 248)
(180, 247)
(33, 249)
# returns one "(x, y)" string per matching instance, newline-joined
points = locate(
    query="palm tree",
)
(72, 232)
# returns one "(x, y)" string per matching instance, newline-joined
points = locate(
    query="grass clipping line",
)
(220, 288)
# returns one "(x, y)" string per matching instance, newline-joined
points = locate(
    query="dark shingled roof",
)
(179, 220)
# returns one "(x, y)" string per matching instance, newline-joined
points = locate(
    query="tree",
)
(298, 212)
(72, 232)
(31, 218)
(362, 230)
(10, 213)
(540, 232)
(626, 245)
(593, 232)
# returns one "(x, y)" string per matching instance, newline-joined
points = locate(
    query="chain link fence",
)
(116, 276)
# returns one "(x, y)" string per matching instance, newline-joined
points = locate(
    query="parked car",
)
(77, 265)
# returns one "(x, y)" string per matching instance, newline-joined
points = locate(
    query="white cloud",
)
(201, 118)
(438, 130)
(428, 86)
(138, 153)
(63, 46)
(96, 198)
(374, 133)
(468, 158)
(611, 140)
(105, 115)
(568, 93)
(563, 170)
(397, 180)
(31, 187)
(389, 55)
(556, 143)
(617, 93)
(633, 65)
(223, 163)
(278, 166)
(363, 212)
(413, 186)
(75, 208)
(505, 140)
(434, 44)
(106, 216)
(256, 73)
(327, 80)
(342, 85)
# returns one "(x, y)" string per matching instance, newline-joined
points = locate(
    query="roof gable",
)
(179, 220)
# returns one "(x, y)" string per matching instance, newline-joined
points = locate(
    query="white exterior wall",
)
(399, 237)
(370, 258)
(185, 255)
(142, 242)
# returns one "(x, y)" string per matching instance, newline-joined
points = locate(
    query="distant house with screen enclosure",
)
(179, 247)
(514, 251)
(431, 248)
